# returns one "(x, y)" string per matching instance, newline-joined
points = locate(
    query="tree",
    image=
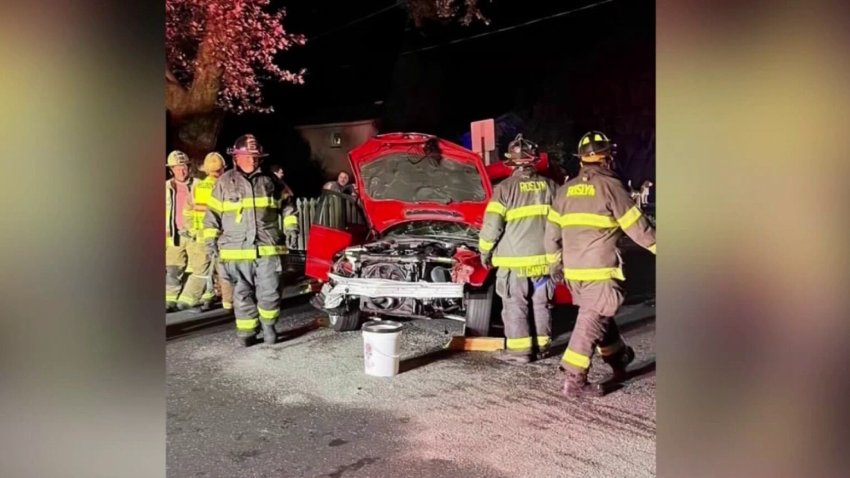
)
(465, 12)
(218, 53)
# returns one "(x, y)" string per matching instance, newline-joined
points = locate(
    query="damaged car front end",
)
(423, 199)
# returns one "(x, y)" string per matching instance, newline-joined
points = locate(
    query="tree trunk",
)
(195, 134)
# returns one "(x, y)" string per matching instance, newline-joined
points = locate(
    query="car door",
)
(337, 223)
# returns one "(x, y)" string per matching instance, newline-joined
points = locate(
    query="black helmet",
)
(247, 144)
(521, 150)
(594, 142)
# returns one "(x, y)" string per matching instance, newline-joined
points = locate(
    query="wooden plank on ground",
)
(476, 344)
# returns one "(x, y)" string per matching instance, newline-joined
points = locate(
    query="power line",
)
(353, 22)
(512, 27)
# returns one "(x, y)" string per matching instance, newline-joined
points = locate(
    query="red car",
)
(407, 246)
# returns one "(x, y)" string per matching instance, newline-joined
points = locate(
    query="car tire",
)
(479, 311)
(345, 321)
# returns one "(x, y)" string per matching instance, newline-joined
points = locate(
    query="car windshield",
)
(414, 178)
(432, 229)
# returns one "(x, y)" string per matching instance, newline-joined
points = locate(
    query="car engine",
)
(406, 260)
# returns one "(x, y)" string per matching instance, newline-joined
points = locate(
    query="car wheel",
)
(479, 311)
(345, 321)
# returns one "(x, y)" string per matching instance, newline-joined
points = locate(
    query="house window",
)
(336, 140)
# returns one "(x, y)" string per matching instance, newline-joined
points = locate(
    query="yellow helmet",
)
(176, 158)
(213, 162)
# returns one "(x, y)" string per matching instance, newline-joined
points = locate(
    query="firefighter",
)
(242, 228)
(511, 239)
(588, 216)
(177, 225)
(201, 263)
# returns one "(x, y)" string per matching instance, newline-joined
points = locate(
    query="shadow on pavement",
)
(426, 359)
(612, 384)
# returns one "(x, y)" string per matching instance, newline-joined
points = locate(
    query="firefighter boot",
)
(513, 357)
(620, 362)
(269, 333)
(577, 386)
(206, 306)
(246, 339)
(170, 307)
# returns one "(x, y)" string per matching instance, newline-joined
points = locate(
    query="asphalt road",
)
(304, 408)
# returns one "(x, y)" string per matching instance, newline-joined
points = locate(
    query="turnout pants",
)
(256, 294)
(517, 291)
(176, 256)
(595, 329)
(224, 285)
(199, 286)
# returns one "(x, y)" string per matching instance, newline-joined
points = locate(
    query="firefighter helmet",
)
(247, 144)
(592, 145)
(521, 150)
(213, 162)
(176, 158)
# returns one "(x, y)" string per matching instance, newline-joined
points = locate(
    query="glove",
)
(212, 251)
(556, 272)
(487, 260)
(291, 238)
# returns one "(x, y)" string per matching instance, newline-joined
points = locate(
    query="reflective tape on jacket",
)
(523, 212)
(249, 254)
(290, 221)
(485, 245)
(237, 206)
(576, 359)
(579, 219)
(210, 233)
(628, 219)
(594, 274)
(651, 248)
(525, 261)
(495, 207)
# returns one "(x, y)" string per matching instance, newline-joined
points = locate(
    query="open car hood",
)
(403, 177)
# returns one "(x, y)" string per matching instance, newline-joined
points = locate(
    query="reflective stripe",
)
(268, 314)
(576, 359)
(651, 248)
(520, 343)
(587, 219)
(227, 305)
(186, 301)
(628, 219)
(290, 221)
(247, 203)
(524, 343)
(210, 233)
(169, 242)
(485, 245)
(248, 254)
(612, 349)
(521, 261)
(207, 296)
(532, 271)
(523, 212)
(214, 204)
(553, 258)
(272, 250)
(170, 297)
(247, 324)
(602, 273)
(495, 208)
(554, 216)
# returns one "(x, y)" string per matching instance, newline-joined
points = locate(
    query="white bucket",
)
(380, 347)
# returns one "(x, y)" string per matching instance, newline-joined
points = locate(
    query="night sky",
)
(556, 78)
